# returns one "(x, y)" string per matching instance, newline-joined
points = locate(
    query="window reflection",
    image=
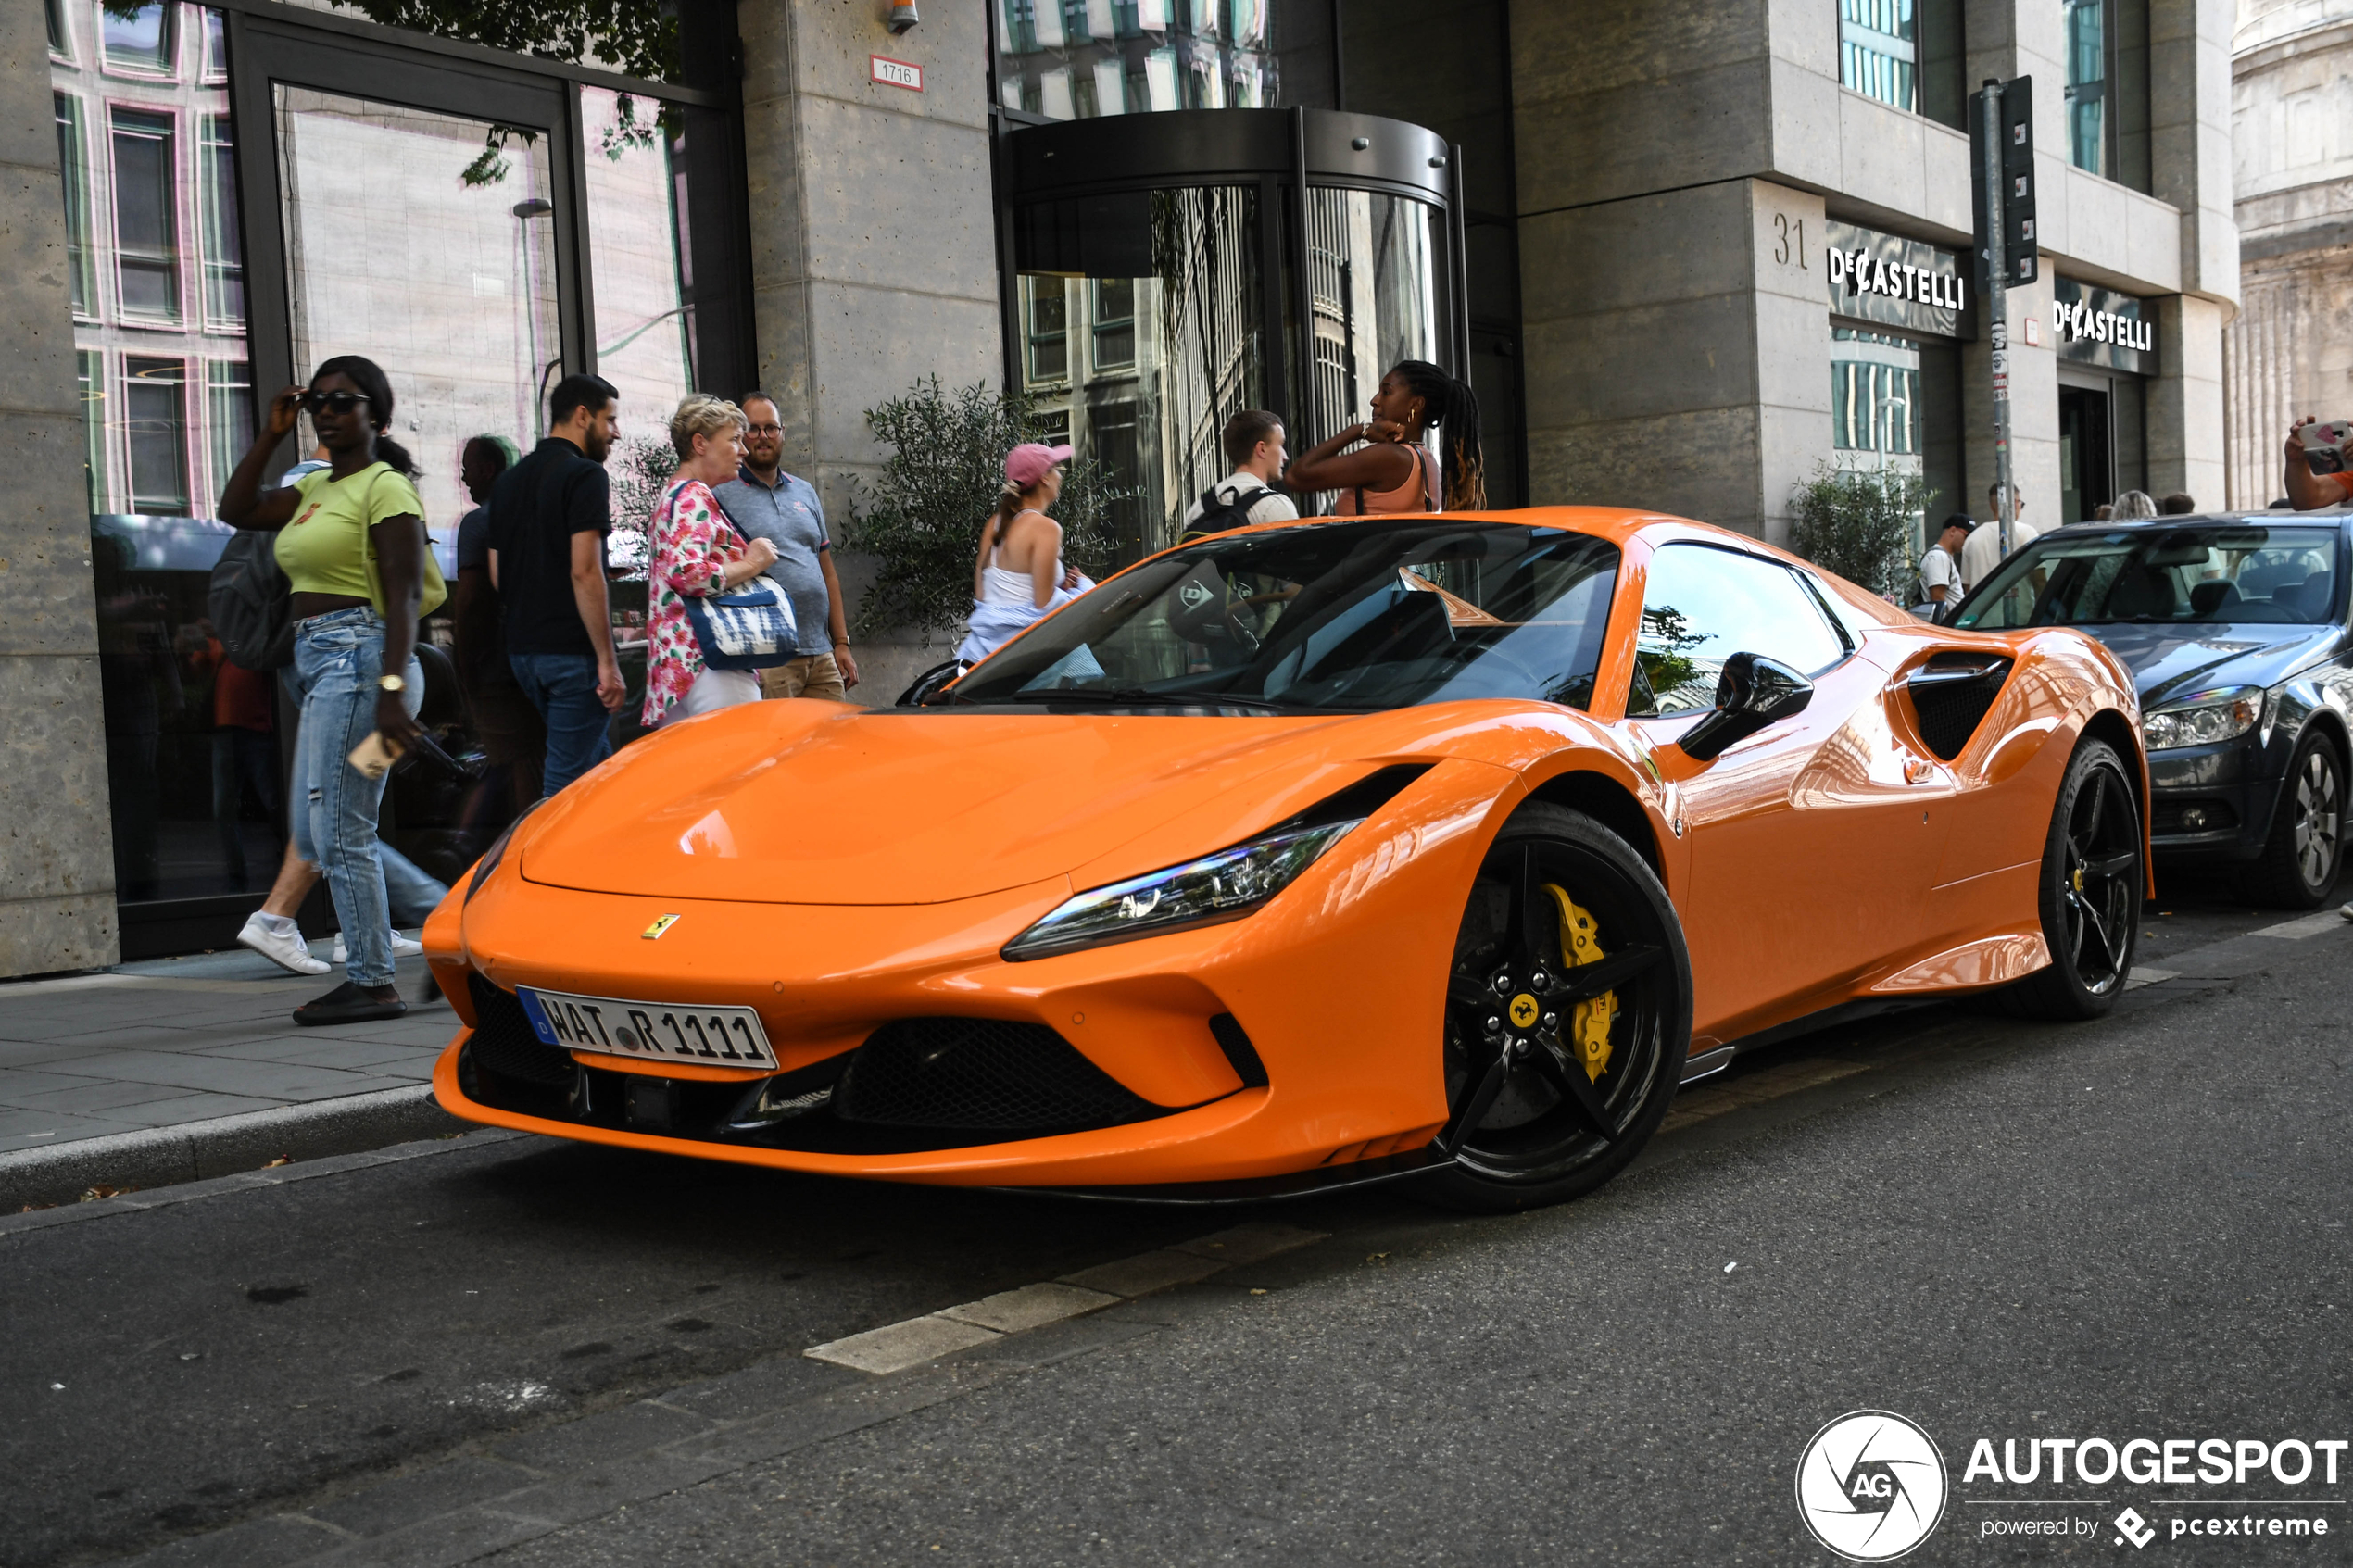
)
(1163, 287)
(1076, 59)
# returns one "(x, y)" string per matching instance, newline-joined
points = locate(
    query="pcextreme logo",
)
(1870, 1486)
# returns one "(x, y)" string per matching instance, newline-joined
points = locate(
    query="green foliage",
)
(922, 519)
(1861, 526)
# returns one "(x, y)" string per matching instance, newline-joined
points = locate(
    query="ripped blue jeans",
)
(338, 657)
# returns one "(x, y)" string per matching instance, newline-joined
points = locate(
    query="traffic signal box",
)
(2018, 253)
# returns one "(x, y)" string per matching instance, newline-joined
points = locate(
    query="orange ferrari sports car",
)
(1429, 847)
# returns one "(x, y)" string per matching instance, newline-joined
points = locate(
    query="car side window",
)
(1701, 605)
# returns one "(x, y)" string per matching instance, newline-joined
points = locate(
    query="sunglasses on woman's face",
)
(333, 402)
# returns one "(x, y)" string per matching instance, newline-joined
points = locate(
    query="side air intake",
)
(1951, 694)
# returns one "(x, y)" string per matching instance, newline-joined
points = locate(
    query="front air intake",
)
(981, 1074)
(1951, 694)
(505, 1042)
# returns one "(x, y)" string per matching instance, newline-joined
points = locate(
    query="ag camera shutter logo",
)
(1870, 1486)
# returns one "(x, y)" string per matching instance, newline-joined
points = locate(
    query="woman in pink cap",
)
(1020, 574)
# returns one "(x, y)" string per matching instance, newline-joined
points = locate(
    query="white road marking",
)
(896, 1347)
(2309, 925)
(1033, 1305)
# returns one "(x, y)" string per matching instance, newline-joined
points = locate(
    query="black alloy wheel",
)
(2092, 883)
(2306, 849)
(1569, 1014)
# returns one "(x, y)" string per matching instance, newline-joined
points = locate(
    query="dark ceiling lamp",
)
(902, 16)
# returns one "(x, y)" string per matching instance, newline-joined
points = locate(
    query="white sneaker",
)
(401, 948)
(289, 951)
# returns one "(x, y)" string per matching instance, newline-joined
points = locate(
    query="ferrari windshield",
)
(2213, 574)
(1339, 615)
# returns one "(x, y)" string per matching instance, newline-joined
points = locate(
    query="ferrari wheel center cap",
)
(1524, 1010)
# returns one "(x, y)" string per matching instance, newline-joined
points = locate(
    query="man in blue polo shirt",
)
(765, 502)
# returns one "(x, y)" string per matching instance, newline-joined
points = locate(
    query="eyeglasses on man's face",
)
(333, 402)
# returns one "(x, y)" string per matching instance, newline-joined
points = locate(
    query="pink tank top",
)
(1419, 494)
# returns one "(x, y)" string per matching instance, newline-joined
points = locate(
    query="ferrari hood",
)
(807, 803)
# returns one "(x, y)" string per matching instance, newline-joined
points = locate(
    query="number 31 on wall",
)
(1790, 243)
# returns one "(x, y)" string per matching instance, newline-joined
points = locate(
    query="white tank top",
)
(1000, 586)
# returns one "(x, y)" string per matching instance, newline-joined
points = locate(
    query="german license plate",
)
(710, 1036)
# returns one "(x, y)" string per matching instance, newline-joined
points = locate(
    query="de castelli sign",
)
(1892, 282)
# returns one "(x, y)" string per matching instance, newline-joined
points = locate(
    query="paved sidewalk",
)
(172, 1041)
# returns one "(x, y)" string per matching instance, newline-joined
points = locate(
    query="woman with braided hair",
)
(1394, 472)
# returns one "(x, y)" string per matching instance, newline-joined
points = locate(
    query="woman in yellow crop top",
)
(351, 540)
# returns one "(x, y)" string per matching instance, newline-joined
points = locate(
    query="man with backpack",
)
(1254, 445)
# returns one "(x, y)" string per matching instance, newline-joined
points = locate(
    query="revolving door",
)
(1171, 270)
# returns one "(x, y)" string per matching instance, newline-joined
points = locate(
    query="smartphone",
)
(375, 757)
(2325, 444)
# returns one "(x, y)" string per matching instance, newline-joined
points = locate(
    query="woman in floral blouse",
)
(697, 551)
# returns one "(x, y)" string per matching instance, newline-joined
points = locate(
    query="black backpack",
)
(251, 602)
(1219, 516)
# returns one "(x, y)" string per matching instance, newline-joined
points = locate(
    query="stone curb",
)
(222, 1146)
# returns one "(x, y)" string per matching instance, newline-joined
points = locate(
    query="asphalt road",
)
(2131, 1228)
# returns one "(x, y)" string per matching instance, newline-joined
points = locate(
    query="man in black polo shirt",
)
(549, 518)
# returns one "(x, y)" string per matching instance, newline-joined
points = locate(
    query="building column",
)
(872, 242)
(2185, 445)
(1678, 352)
(56, 850)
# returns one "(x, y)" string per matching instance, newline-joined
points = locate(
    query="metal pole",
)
(1998, 320)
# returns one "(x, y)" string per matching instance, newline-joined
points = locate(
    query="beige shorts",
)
(813, 675)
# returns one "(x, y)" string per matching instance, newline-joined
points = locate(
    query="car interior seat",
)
(2214, 600)
(2143, 590)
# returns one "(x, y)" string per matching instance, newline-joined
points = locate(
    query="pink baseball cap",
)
(1032, 461)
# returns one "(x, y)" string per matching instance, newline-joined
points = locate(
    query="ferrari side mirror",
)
(1753, 691)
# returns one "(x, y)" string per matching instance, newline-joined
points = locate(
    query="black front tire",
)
(2092, 882)
(2305, 849)
(1523, 1131)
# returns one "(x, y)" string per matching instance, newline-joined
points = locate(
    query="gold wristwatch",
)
(392, 682)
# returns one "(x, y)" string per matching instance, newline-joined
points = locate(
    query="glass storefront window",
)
(155, 266)
(1896, 407)
(639, 264)
(451, 287)
(1875, 396)
(1165, 289)
(1075, 59)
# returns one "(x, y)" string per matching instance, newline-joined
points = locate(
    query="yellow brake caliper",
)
(1589, 1025)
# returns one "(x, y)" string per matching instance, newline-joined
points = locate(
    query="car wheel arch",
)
(2110, 725)
(1612, 804)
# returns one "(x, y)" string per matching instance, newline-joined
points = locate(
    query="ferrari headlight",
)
(2204, 719)
(1220, 886)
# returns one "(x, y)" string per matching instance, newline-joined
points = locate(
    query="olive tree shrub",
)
(921, 520)
(1863, 526)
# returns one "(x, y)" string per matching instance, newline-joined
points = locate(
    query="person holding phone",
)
(2310, 490)
(351, 541)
